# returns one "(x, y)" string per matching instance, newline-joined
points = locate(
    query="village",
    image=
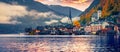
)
(97, 26)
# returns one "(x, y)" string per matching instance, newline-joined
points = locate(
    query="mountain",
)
(31, 21)
(93, 4)
(31, 4)
(58, 8)
(108, 7)
(11, 29)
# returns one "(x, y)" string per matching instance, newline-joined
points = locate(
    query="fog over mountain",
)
(15, 15)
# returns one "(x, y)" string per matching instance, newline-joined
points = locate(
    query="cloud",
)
(16, 14)
(75, 18)
(37, 15)
(74, 1)
(7, 12)
(66, 19)
(51, 22)
(78, 4)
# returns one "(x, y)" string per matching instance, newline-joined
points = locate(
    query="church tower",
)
(99, 13)
(70, 17)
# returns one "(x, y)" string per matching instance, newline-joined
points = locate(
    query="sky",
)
(78, 4)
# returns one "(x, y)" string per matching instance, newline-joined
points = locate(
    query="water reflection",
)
(82, 44)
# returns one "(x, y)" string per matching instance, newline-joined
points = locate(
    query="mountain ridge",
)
(31, 4)
(27, 21)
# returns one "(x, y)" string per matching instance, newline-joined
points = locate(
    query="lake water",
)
(60, 44)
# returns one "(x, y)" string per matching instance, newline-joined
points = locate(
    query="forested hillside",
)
(108, 7)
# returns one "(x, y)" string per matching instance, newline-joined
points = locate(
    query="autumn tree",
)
(76, 23)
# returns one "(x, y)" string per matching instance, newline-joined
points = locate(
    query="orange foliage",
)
(105, 11)
(76, 23)
(107, 6)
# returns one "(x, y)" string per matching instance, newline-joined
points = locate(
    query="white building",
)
(96, 16)
(99, 14)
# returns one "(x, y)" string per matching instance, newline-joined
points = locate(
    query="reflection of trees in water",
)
(113, 42)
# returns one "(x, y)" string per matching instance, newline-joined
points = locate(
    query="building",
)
(99, 14)
(94, 28)
(96, 24)
(96, 16)
(70, 17)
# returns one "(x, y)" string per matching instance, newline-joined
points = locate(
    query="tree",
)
(76, 23)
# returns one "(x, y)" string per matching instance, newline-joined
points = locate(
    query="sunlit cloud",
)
(74, 1)
(78, 4)
(66, 19)
(51, 22)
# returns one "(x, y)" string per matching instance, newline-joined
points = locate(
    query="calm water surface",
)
(54, 44)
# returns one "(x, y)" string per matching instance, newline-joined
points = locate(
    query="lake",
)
(82, 43)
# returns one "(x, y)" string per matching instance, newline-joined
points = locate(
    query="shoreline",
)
(45, 36)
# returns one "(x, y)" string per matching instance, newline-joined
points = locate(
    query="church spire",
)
(70, 16)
